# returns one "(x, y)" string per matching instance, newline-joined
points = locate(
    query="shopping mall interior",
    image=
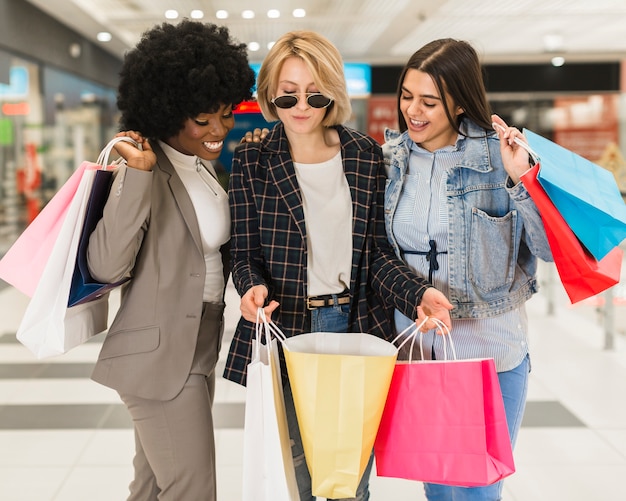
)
(63, 437)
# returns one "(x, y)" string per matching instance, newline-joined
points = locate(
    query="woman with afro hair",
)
(166, 224)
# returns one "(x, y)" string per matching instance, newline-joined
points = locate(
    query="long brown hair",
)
(456, 70)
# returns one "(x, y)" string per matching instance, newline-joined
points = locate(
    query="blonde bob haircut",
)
(323, 61)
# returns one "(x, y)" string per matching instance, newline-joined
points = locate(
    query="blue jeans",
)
(329, 319)
(514, 386)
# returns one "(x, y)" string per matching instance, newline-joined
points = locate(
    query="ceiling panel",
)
(380, 31)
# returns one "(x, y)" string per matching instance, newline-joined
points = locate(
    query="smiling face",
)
(424, 112)
(204, 135)
(296, 79)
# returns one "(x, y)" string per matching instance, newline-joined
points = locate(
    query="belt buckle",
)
(326, 302)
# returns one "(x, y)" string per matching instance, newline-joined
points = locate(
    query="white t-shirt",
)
(328, 218)
(210, 202)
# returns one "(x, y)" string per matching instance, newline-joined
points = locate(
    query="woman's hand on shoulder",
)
(514, 156)
(139, 157)
(255, 136)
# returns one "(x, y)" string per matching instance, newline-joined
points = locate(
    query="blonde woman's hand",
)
(142, 157)
(514, 156)
(253, 299)
(434, 304)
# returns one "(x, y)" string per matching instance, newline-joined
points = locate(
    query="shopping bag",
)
(268, 471)
(23, 263)
(444, 422)
(48, 326)
(581, 274)
(84, 287)
(585, 194)
(339, 383)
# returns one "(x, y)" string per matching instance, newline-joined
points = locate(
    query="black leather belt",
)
(315, 302)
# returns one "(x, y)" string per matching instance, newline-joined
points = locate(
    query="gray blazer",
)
(149, 231)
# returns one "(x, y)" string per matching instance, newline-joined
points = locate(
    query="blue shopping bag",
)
(84, 287)
(585, 194)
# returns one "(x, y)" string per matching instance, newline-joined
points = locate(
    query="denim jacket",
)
(495, 232)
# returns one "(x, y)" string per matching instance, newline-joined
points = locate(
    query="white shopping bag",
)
(268, 471)
(49, 327)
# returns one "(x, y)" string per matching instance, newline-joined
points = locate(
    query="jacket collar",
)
(179, 192)
(276, 141)
(477, 155)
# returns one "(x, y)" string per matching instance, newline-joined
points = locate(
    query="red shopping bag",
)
(581, 274)
(444, 422)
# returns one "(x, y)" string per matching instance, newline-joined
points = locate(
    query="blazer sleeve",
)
(398, 287)
(116, 240)
(245, 245)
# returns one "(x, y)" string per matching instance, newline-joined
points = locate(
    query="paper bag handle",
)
(521, 143)
(414, 329)
(103, 158)
(270, 330)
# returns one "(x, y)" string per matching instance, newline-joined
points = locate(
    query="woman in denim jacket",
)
(458, 214)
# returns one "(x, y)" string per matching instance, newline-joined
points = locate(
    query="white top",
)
(328, 217)
(210, 203)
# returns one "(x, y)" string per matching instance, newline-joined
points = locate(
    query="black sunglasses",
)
(314, 100)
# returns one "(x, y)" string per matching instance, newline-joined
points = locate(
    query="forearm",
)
(115, 243)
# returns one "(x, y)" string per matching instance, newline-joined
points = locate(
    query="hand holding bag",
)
(585, 194)
(339, 383)
(268, 471)
(581, 274)
(49, 327)
(444, 422)
(24, 262)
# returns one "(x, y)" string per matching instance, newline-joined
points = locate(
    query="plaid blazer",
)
(268, 242)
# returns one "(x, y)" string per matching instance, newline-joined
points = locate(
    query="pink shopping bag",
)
(24, 262)
(444, 422)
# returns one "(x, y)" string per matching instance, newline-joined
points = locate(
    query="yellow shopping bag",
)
(339, 383)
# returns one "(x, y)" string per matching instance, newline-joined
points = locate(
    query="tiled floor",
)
(65, 438)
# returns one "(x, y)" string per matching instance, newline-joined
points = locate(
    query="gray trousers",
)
(174, 441)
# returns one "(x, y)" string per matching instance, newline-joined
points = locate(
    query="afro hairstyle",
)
(179, 71)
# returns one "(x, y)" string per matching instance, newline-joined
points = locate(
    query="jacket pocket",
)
(492, 250)
(130, 342)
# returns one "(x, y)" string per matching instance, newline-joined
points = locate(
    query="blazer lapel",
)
(283, 173)
(360, 169)
(180, 195)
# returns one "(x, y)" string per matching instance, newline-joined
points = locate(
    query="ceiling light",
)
(558, 61)
(552, 42)
(197, 14)
(104, 36)
(75, 50)
(171, 14)
(270, 45)
(299, 13)
(273, 13)
(247, 14)
(221, 14)
(254, 46)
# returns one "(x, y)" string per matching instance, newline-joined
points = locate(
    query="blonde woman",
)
(308, 235)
